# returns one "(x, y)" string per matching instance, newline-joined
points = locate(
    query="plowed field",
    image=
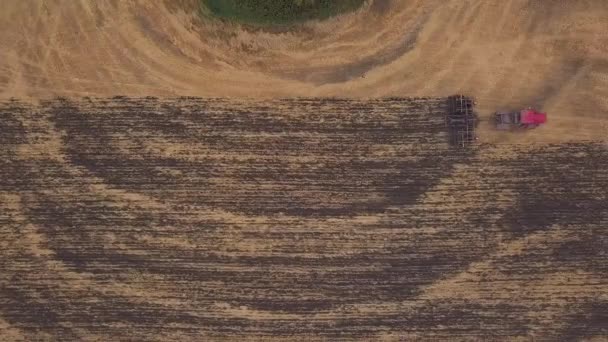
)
(300, 194)
(294, 219)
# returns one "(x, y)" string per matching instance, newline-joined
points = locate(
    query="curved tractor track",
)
(167, 177)
(148, 219)
(506, 53)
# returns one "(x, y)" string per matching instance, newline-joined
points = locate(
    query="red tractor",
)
(525, 119)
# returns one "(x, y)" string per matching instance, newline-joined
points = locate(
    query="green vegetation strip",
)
(278, 12)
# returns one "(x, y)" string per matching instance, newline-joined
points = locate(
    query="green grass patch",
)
(277, 12)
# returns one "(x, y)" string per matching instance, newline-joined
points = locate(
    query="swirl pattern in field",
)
(507, 53)
(317, 219)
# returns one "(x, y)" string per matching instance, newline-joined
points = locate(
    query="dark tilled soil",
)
(295, 219)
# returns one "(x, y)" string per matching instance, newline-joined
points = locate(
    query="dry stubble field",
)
(242, 215)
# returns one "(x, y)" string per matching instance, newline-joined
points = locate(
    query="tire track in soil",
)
(293, 218)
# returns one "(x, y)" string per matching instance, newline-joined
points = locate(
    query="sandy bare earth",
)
(508, 53)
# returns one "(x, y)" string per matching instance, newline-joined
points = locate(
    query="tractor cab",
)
(525, 119)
